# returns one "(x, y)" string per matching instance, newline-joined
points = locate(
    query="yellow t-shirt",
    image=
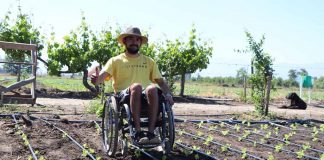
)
(125, 71)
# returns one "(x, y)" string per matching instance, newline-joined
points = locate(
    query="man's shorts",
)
(124, 97)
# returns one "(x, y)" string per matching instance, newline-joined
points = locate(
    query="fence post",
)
(244, 85)
(269, 78)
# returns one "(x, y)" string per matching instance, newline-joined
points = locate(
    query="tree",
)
(105, 45)
(74, 53)
(292, 78)
(21, 30)
(179, 58)
(292, 74)
(240, 75)
(263, 71)
(303, 72)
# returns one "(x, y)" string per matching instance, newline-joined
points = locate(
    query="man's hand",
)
(94, 74)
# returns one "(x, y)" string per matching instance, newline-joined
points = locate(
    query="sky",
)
(294, 29)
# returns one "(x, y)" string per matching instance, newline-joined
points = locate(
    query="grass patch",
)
(10, 108)
(95, 107)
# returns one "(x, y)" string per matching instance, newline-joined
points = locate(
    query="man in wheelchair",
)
(134, 78)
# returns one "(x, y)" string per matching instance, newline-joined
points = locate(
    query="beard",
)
(132, 49)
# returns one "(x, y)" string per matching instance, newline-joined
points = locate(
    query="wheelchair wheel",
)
(110, 126)
(169, 127)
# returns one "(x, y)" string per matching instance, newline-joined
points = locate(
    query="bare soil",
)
(52, 145)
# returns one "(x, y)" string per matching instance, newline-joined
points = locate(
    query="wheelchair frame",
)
(118, 127)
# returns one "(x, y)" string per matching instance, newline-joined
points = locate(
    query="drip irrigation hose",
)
(278, 125)
(74, 141)
(143, 151)
(213, 142)
(68, 121)
(10, 115)
(266, 145)
(277, 139)
(197, 151)
(29, 146)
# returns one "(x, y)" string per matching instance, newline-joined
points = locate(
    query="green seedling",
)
(42, 158)
(195, 147)
(314, 139)
(322, 127)
(300, 154)
(208, 152)
(264, 126)
(248, 124)
(208, 140)
(98, 158)
(222, 124)
(179, 141)
(294, 126)
(268, 135)
(314, 134)
(237, 128)
(277, 130)
(244, 153)
(270, 156)
(305, 125)
(254, 143)
(212, 127)
(315, 129)
(287, 136)
(244, 121)
(187, 152)
(64, 135)
(196, 156)
(30, 158)
(98, 129)
(225, 133)
(84, 153)
(200, 124)
(180, 133)
(278, 147)
(199, 133)
(137, 153)
(306, 146)
(225, 147)
(322, 156)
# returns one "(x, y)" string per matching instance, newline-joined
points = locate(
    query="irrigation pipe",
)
(143, 151)
(196, 151)
(266, 145)
(278, 125)
(277, 139)
(29, 146)
(9, 115)
(65, 133)
(213, 142)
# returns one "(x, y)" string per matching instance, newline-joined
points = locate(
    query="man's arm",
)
(165, 89)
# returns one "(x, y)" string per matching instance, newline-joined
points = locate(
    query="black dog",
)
(295, 102)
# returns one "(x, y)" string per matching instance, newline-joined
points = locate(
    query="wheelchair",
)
(118, 127)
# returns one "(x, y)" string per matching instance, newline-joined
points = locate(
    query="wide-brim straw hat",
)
(132, 31)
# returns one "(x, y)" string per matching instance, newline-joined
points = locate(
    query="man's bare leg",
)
(135, 104)
(152, 100)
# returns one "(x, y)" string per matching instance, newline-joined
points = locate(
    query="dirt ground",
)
(50, 143)
(314, 110)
